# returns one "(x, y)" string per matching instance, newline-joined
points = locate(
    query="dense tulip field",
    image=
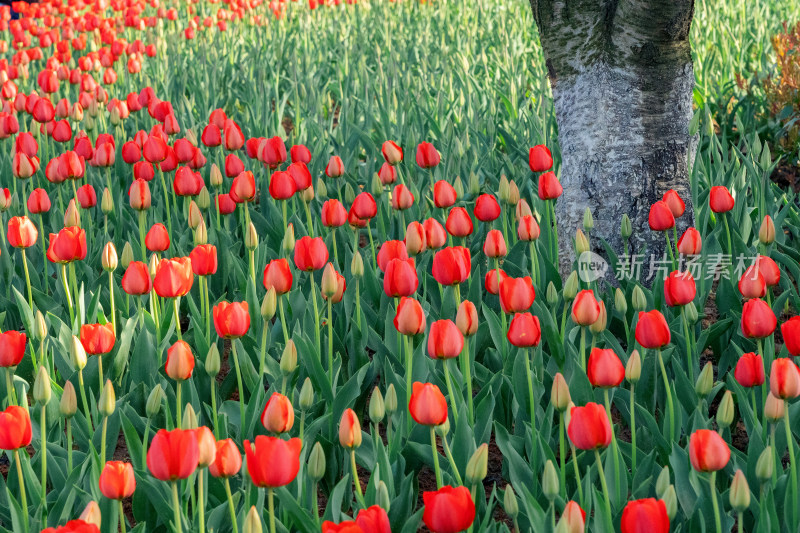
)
(293, 266)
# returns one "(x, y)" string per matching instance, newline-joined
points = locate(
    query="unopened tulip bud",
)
(204, 199)
(588, 220)
(523, 209)
(289, 358)
(599, 325)
(269, 304)
(443, 429)
(766, 233)
(77, 353)
(638, 299)
(127, 255)
(705, 381)
(307, 194)
(382, 496)
(189, 418)
(377, 408)
(41, 387)
(458, 185)
(663, 482)
(316, 462)
(550, 484)
(251, 238)
(581, 243)
(329, 285)
(571, 286)
(68, 405)
(152, 265)
(670, 499)
(376, 185)
(626, 229)
(691, 312)
(91, 514)
(252, 523)
(765, 465)
(349, 194)
(71, 215)
(195, 216)
(390, 400)
(633, 370)
(321, 188)
(559, 393)
(76, 112)
(620, 302)
(108, 400)
(107, 202)
(357, 265)
(510, 503)
(725, 410)
(201, 234)
(212, 364)
(502, 190)
(215, 177)
(288, 239)
(109, 258)
(739, 494)
(154, 401)
(39, 326)
(306, 395)
(774, 408)
(88, 122)
(513, 193)
(474, 184)
(478, 465)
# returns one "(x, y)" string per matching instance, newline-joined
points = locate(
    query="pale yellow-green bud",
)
(189, 418)
(91, 514)
(289, 358)
(725, 410)
(443, 429)
(550, 484)
(571, 286)
(316, 462)
(357, 265)
(191, 136)
(107, 202)
(739, 494)
(288, 239)
(510, 502)
(588, 220)
(474, 184)
(559, 393)
(766, 233)
(663, 482)
(109, 258)
(77, 353)
(41, 387)
(252, 523)
(306, 395)
(204, 199)
(774, 408)
(382, 496)
(513, 193)
(377, 408)
(599, 325)
(502, 190)
(329, 285)
(670, 499)
(633, 370)
(71, 215)
(581, 243)
(127, 255)
(195, 216)
(626, 229)
(458, 185)
(201, 234)
(620, 302)
(108, 400)
(39, 326)
(251, 238)
(154, 401)
(691, 312)
(307, 194)
(212, 364)
(215, 177)
(321, 188)
(551, 294)
(705, 381)
(376, 185)
(269, 304)
(152, 265)
(390, 400)
(349, 194)
(478, 465)
(638, 299)
(765, 465)
(68, 405)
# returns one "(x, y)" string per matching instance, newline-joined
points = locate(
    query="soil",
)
(787, 176)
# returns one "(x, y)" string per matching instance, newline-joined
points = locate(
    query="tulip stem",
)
(409, 376)
(528, 356)
(204, 282)
(178, 407)
(552, 204)
(121, 517)
(614, 445)
(166, 204)
(728, 233)
(316, 313)
(356, 481)
(103, 436)
(27, 278)
(83, 399)
(562, 453)
(176, 506)
(111, 294)
(271, 500)
(466, 369)
(450, 391)
(633, 431)
(201, 507)
(69, 444)
(283, 319)
(330, 345)
(668, 390)
(583, 348)
(44, 253)
(577, 473)
(435, 451)
(175, 306)
(712, 482)
(689, 347)
(264, 333)
(43, 432)
(10, 393)
(100, 380)
(372, 245)
(239, 384)
(22, 496)
(231, 508)
(671, 253)
(792, 462)
(311, 224)
(604, 485)
(449, 454)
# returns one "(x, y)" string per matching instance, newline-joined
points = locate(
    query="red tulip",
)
(373, 520)
(98, 339)
(117, 481)
(300, 154)
(427, 156)
(273, 152)
(173, 454)
(15, 428)
(435, 236)
(708, 452)
(585, 308)
(402, 198)
(679, 288)
(333, 213)
(415, 240)
(549, 186)
(524, 331)
(187, 182)
(174, 277)
(392, 153)
(645, 516)
(227, 461)
(661, 217)
(301, 176)
(387, 174)
(445, 340)
(400, 278)
(278, 275)
(675, 203)
(493, 279)
(528, 229)
(769, 270)
(74, 526)
(427, 404)
(349, 430)
(22, 232)
(333, 285)
(278, 414)
(348, 526)
(226, 204)
(467, 318)
(516, 294)
(364, 206)
(157, 239)
(391, 250)
(540, 159)
(272, 462)
(652, 330)
(281, 185)
(444, 194)
(12, 348)
(589, 427)
(180, 361)
(784, 379)
(231, 320)
(495, 245)
(452, 265)
(752, 284)
(409, 318)
(486, 208)
(136, 280)
(144, 171)
(211, 136)
(234, 139)
(604, 368)
(720, 199)
(38, 202)
(154, 149)
(758, 320)
(233, 165)
(749, 370)
(204, 259)
(139, 195)
(243, 188)
(691, 242)
(335, 167)
(448, 510)
(67, 245)
(310, 253)
(790, 330)
(458, 223)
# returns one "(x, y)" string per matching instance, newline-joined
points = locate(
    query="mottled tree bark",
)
(622, 79)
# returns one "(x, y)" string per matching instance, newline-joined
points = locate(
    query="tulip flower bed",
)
(231, 302)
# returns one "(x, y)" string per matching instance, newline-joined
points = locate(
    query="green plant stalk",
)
(166, 200)
(316, 312)
(450, 392)
(562, 454)
(534, 263)
(103, 435)
(214, 406)
(175, 306)
(10, 393)
(614, 445)
(728, 234)
(740, 522)
(264, 332)
(713, 486)
(670, 407)
(633, 431)
(310, 222)
(604, 485)
(502, 311)
(216, 208)
(689, 347)
(792, 462)
(577, 473)
(101, 383)
(69, 443)
(178, 406)
(356, 481)
(358, 304)
(555, 229)
(529, 354)
(449, 454)
(372, 245)
(583, 348)
(201, 506)
(671, 252)
(83, 399)
(465, 360)
(409, 363)
(176, 508)
(27, 278)
(239, 383)
(330, 346)
(121, 516)
(564, 320)
(113, 309)
(208, 309)
(44, 459)
(22, 496)
(436, 459)
(271, 500)
(145, 442)
(251, 254)
(231, 508)
(333, 240)
(283, 319)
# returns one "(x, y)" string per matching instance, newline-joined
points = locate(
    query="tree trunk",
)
(622, 79)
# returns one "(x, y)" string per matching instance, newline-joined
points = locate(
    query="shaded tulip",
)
(675, 203)
(435, 236)
(516, 294)
(652, 330)
(272, 462)
(691, 242)
(549, 187)
(708, 452)
(402, 198)
(486, 208)
(335, 167)
(278, 276)
(392, 153)
(67, 245)
(391, 250)
(459, 223)
(758, 320)
(524, 331)
(157, 239)
(784, 379)
(12, 348)
(38, 202)
(227, 461)
(349, 429)
(720, 199)
(444, 194)
(427, 155)
(661, 217)
(528, 229)
(204, 260)
(278, 414)
(174, 277)
(679, 288)
(467, 318)
(494, 245)
(15, 428)
(400, 278)
(769, 270)
(173, 454)
(427, 404)
(645, 516)
(231, 320)
(409, 318)
(445, 340)
(452, 265)
(373, 520)
(97, 339)
(282, 185)
(22, 232)
(493, 279)
(790, 330)
(117, 481)
(749, 371)
(604, 368)
(752, 284)
(310, 253)
(448, 510)
(585, 308)
(180, 361)
(243, 188)
(333, 214)
(539, 158)
(136, 280)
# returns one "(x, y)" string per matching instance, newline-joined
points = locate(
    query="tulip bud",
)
(599, 325)
(474, 184)
(581, 243)
(626, 229)
(288, 239)
(68, 405)
(204, 199)
(41, 387)
(152, 265)
(252, 523)
(127, 255)
(39, 326)
(559, 393)
(195, 216)
(108, 400)
(329, 285)
(77, 353)
(390, 400)
(766, 233)
(571, 286)
(550, 484)
(376, 185)
(189, 418)
(71, 215)
(633, 370)
(551, 294)
(774, 408)
(705, 381)
(307, 194)
(215, 177)
(765, 465)
(212, 361)
(740, 492)
(107, 202)
(382, 496)
(109, 257)
(725, 410)
(377, 408)
(289, 358)
(201, 234)
(443, 429)
(458, 185)
(349, 194)
(306, 395)
(670, 499)
(251, 238)
(316, 462)
(154, 400)
(513, 193)
(191, 136)
(663, 482)
(691, 312)
(269, 304)
(620, 303)
(638, 299)
(478, 465)
(321, 188)
(357, 265)
(510, 502)
(91, 514)
(502, 190)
